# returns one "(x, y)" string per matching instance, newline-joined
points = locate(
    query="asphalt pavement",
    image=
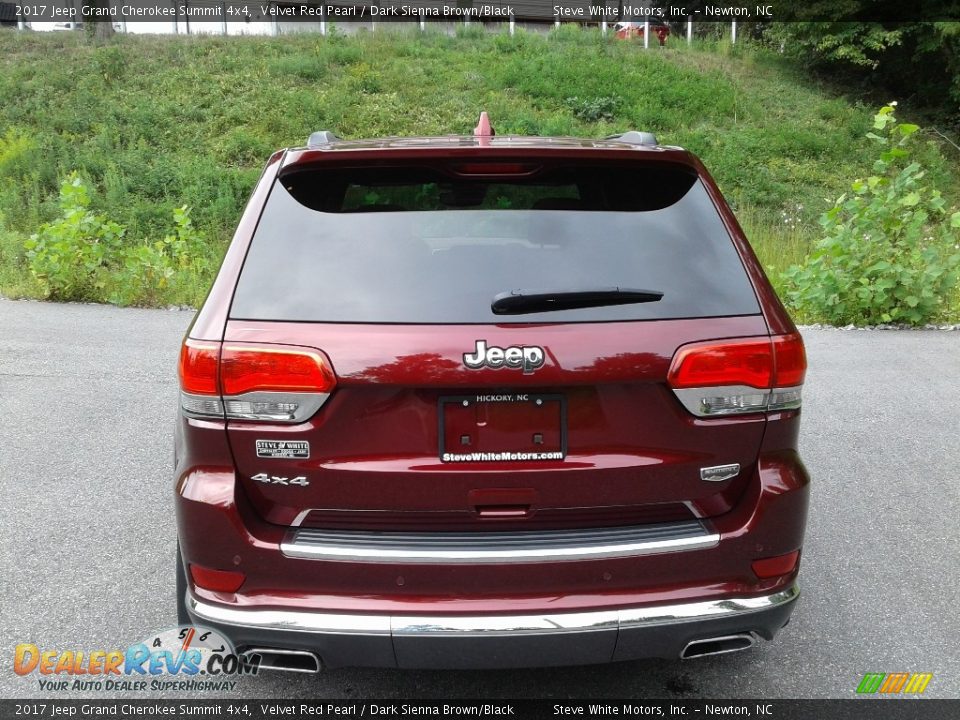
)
(87, 538)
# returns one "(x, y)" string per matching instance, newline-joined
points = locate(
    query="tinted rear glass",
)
(411, 245)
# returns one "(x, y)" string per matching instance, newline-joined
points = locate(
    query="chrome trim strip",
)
(516, 547)
(290, 620)
(484, 625)
(670, 614)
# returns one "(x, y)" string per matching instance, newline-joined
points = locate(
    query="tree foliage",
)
(916, 60)
(891, 248)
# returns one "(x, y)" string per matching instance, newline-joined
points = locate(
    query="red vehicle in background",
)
(630, 30)
(489, 402)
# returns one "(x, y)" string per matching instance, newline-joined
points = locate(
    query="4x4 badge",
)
(528, 357)
(300, 480)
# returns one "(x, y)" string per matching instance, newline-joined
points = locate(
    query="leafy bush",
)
(889, 251)
(149, 271)
(82, 256)
(71, 256)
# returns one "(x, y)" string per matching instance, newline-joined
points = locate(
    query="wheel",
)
(182, 617)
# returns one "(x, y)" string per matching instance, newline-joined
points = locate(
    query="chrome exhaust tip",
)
(298, 661)
(718, 645)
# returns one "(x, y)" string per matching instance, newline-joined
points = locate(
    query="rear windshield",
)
(419, 245)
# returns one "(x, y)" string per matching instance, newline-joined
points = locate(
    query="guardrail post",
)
(689, 30)
(512, 24)
(603, 27)
(733, 32)
(646, 34)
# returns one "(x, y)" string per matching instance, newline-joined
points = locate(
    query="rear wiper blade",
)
(519, 302)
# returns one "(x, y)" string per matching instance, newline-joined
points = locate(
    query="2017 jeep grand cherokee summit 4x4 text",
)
(487, 402)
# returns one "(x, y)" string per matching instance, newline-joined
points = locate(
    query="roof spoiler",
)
(635, 137)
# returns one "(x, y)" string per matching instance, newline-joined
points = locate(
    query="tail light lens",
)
(747, 375)
(198, 367)
(272, 383)
(247, 368)
(199, 387)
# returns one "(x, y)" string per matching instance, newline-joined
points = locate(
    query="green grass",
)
(152, 123)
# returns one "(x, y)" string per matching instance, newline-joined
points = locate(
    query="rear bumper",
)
(498, 641)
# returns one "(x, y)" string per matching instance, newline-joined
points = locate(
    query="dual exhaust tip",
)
(302, 661)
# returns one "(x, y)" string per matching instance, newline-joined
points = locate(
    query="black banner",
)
(858, 709)
(580, 11)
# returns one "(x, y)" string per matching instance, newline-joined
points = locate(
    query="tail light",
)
(747, 375)
(272, 383)
(199, 387)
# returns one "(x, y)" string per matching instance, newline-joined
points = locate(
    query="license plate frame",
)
(496, 403)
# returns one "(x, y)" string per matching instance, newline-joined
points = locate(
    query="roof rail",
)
(635, 137)
(321, 137)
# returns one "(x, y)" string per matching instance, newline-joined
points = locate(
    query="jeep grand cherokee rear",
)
(487, 402)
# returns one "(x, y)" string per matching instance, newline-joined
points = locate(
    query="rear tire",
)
(182, 617)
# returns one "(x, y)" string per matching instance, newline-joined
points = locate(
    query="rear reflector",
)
(216, 580)
(271, 383)
(776, 566)
(742, 375)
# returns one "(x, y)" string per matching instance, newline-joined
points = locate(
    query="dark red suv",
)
(488, 402)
